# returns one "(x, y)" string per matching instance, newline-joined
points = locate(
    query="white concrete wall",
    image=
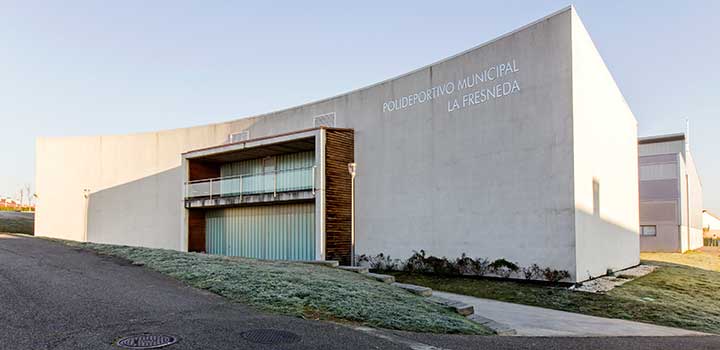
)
(491, 180)
(684, 209)
(710, 221)
(135, 183)
(695, 201)
(605, 150)
(64, 168)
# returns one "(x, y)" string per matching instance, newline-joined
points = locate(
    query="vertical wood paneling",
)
(340, 151)
(199, 170)
(196, 230)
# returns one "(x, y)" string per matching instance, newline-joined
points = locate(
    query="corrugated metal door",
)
(278, 232)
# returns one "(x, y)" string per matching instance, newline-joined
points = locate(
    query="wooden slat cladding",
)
(199, 170)
(196, 230)
(339, 151)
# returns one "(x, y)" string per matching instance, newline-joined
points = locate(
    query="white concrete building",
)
(711, 225)
(521, 148)
(670, 195)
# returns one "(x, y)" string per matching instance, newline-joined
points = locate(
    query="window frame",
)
(642, 231)
(245, 133)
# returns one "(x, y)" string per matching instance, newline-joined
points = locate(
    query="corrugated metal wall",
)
(282, 232)
(651, 149)
(294, 172)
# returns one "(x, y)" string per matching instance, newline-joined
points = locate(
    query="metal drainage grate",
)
(270, 336)
(146, 341)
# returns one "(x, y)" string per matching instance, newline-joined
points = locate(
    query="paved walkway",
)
(537, 321)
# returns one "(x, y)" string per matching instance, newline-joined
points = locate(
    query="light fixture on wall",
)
(86, 195)
(352, 168)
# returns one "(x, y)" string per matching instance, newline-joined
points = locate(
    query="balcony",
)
(273, 186)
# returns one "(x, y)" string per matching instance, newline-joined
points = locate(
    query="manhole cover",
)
(146, 341)
(270, 336)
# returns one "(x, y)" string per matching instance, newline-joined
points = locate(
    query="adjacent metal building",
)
(671, 203)
(521, 148)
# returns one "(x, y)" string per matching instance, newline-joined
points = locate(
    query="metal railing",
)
(274, 182)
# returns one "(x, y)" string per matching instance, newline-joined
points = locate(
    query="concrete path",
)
(537, 321)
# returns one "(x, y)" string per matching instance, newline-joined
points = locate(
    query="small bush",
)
(504, 268)
(481, 266)
(465, 265)
(380, 262)
(416, 263)
(532, 272)
(442, 266)
(419, 262)
(555, 276)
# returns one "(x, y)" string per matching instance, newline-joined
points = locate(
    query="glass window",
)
(648, 230)
(269, 164)
(239, 136)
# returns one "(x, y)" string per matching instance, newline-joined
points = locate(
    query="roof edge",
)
(661, 138)
(266, 138)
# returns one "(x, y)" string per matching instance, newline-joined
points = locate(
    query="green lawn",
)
(674, 295)
(707, 258)
(298, 289)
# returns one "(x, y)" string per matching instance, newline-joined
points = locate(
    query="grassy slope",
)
(299, 289)
(705, 258)
(674, 295)
(15, 222)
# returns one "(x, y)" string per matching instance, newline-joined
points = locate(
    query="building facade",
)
(521, 148)
(711, 225)
(671, 201)
(281, 197)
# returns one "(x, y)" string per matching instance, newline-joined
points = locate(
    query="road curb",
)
(497, 327)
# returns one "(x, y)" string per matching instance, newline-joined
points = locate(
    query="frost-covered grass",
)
(15, 222)
(299, 289)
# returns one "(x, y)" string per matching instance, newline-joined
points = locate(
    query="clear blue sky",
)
(101, 67)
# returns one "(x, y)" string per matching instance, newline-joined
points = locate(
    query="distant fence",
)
(711, 242)
(18, 208)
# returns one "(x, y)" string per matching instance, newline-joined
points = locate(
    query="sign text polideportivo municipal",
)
(490, 83)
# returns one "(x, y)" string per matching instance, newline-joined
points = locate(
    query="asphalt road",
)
(56, 297)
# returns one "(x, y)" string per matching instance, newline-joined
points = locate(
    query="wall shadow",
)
(602, 244)
(145, 212)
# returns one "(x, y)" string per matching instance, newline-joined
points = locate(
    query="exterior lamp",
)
(352, 169)
(86, 195)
